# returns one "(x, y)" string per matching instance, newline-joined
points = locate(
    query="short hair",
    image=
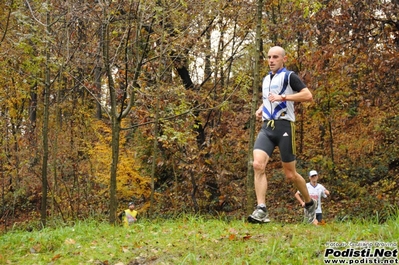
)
(281, 49)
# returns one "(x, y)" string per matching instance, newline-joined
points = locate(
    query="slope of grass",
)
(187, 240)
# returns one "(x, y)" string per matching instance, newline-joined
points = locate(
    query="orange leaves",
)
(234, 235)
(56, 257)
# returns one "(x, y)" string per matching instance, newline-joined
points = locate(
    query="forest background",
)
(104, 102)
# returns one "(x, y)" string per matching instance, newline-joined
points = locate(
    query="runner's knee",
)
(291, 176)
(258, 167)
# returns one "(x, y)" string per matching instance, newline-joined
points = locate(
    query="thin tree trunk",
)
(301, 130)
(97, 76)
(43, 211)
(154, 153)
(115, 123)
(114, 167)
(250, 172)
(156, 124)
(331, 140)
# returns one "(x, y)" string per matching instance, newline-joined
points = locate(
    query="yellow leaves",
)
(207, 194)
(208, 161)
(384, 186)
(130, 182)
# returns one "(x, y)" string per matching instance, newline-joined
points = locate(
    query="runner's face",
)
(276, 59)
(314, 178)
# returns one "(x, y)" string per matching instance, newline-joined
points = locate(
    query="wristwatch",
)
(284, 97)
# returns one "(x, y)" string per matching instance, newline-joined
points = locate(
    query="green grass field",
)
(196, 240)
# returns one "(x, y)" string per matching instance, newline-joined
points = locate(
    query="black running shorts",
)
(279, 133)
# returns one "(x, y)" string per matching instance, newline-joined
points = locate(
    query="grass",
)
(187, 240)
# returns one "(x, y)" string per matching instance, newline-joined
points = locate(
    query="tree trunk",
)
(43, 210)
(114, 167)
(97, 77)
(250, 172)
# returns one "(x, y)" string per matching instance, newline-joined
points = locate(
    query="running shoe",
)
(260, 215)
(310, 212)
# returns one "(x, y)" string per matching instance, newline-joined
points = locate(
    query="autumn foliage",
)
(163, 90)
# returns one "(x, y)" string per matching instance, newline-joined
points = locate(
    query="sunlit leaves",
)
(309, 8)
(131, 182)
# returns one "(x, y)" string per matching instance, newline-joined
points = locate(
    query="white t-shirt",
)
(316, 192)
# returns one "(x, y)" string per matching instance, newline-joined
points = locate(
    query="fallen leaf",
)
(233, 231)
(56, 257)
(70, 241)
(36, 248)
(247, 237)
(125, 249)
